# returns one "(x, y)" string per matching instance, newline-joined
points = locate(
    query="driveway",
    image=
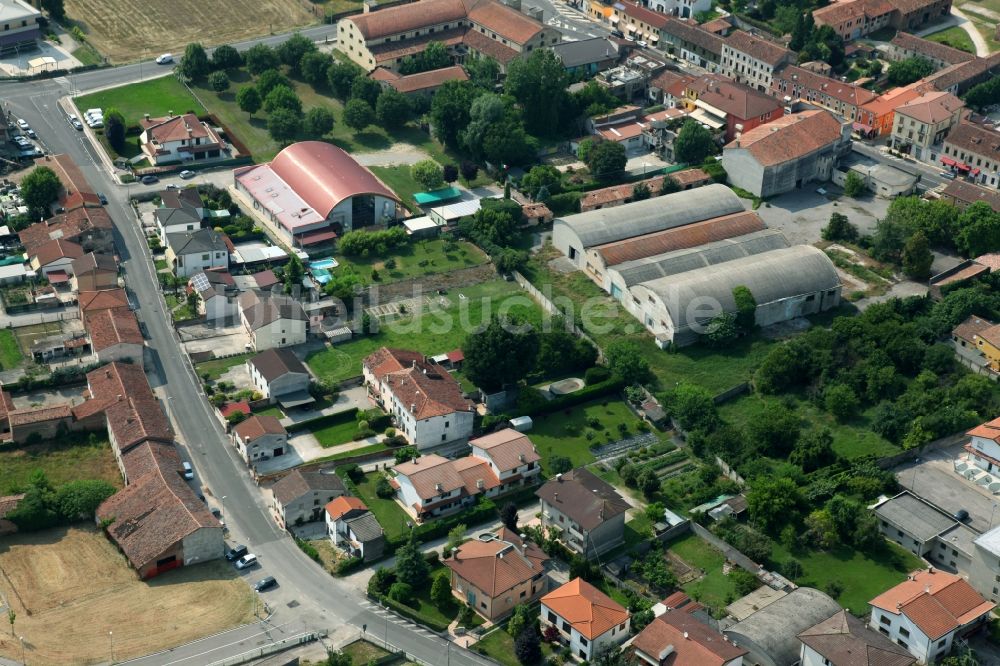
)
(355, 397)
(397, 154)
(48, 398)
(802, 214)
(934, 479)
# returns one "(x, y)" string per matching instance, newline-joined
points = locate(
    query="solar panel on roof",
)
(200, 282)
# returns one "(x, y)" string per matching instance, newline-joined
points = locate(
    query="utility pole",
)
(111, 636)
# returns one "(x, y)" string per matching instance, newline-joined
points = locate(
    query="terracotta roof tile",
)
(431, 475)
(936, 50)
(976, 139)
(343, 505)
(811, 85)
(505, 21)
(76, 190)
(790, 137)
(108, 328)
(133, 421)
(415, 381)
(388, 52)
(735, 99)
(618, 193)
(476, 474)
(690, 32)
(491, 47)
(70, 226)
(177, 128)
(933, 107)
(407, 18)
(694, 642)
(19, 417)
(259, 425)
(687, 177)
(427, 80)
(105, 299)
(758, 48)
(156, 511)
(496, 566)
(671, 82)
(94, 262)
(845, 640)
(54, 250)
(507, 448)
(936, 601)
(681, 238)
(587, 609)
(968, 193)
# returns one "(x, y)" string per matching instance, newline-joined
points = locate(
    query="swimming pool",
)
(323, 264)
(321, 275)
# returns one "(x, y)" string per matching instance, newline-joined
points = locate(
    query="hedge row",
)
(483, 511)
(586, 394)
(406, 611)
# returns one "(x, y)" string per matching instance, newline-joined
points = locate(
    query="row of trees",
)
(45, 506)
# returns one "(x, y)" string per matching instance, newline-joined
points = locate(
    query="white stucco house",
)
(353, 528)
(587, 619)
(193, 252)
(280, 377)
(172, 139)
(272, 320)
(425, 400)
(260, 437)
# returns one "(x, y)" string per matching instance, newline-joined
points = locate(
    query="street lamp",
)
(23, 660)
(111, 636)
(992, 514)
(223, 508)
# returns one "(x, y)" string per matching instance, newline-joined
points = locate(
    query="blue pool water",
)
(323, 264)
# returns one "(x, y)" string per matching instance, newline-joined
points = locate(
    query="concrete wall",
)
(121, 352)
(264, 445)
(203, 545)
(280, 333)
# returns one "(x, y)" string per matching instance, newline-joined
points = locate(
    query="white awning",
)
(705, 119)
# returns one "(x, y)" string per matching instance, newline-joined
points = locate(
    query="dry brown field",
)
(69, 587)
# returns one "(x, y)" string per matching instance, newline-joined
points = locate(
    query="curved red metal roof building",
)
(323, 175)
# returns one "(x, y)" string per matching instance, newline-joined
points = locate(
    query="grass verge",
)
(156, 97)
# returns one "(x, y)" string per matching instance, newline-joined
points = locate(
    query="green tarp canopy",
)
(435, 197)
(13, 259)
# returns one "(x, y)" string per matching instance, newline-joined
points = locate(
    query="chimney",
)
(480, 484)
(927, 589)
(555, 496)
(146, 116)
(438, 487)
(685, 635)
(559, 477)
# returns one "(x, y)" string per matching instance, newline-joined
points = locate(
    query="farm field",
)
(59, 576)
(126, 30)
(61, 461)
(432, 332)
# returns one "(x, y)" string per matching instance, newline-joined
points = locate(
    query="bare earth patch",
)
(125, 30)
(70, 587)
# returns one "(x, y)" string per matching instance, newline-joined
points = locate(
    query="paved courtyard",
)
(802, 214)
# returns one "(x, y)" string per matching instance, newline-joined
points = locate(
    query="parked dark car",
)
(150, 179)
(265, 584)
(103, 199)
(961, 516)
(236, 552)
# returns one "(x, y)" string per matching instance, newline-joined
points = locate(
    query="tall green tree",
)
(358, 114)
(56, 10)
(226, 57)
(218, 81)
(978, 230)
(905, 72)
(282, 97)
(259, 58)
(538, 83)
(392, 109)
(411, 567)
(284, 125)
(746, 308)
(114, 128)
(248, 99)
(340, 76)
(693, 143)
(294, 272)
(626, 360)
(541, 176)
(318, 121)
(40, 189)
(484, 72)
(773, 502)
(428, 174)
(854, 184)
(366, 89)
(270, 79)
(194, 65)
(313, 68)
(917, 257)
(291, 50)
(606, 160)
(450, 110)
(489, 350)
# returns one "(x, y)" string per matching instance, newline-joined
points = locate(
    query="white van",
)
(188, 471)
(164, 59)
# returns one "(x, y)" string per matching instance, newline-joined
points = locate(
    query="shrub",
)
(383, 489)
(308, 549)
(596, 375)
(401, 592)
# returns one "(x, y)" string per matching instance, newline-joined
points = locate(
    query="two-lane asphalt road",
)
(318, 599)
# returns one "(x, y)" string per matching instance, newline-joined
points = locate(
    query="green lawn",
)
(272, 410)
(337, 433)
(88, 55)
(499, 646)
(372, 448)
(862, 577)
(10, 351)
(390, 515)
(850, 440)
(430, 332)
(714, 589)
(436, 256)
(363, 652)
(69, 459)
(400, 181)
(954, 37)
(563, 433)
(154, 96)
(217, 367)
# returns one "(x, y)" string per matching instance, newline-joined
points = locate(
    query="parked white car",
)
(22, 123)
(165, 59)
(246, 561)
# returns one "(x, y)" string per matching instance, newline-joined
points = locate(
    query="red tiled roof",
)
(54, 250)
(233, 407)
(789, 137)
(619, 193)
(694, 643)
(757, 47)
(932, 107)
(427, 80)
(648, 16)
(134, 421)
(476, 474)
(969, 193)
(690, 176)
(976, 139)
(491, 47)
(157, 509)
(818, 85)
(671, 82)
(590, 611)
(990, 429)
(844, 640)
(343, 505)
(680, 238)
(390, 51)
(936, 50)
(299, 482)
(105, 299)
(259, 425)
(431, 475)
(735, 99)
(177, 128)
(425, 385)
(76, 190)
(113, 327)
(936, 601)
(265, 279)
(30, 415)
(497, 566)
(68, 226)
(507, 448)
(408, 18)
(505, 21)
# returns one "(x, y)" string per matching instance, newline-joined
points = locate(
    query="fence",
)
(731, 553)
(729, 472)
(278, 646)
(551, 308)
(734, 392)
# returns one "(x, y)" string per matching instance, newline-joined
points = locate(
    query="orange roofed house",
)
(354, 528)
(425, 401)
(586, 619)
(928, 611)
(431, 486)
(984, 445)
(678, 638)
(495, 575)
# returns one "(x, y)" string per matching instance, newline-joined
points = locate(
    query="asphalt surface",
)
(305, 592)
